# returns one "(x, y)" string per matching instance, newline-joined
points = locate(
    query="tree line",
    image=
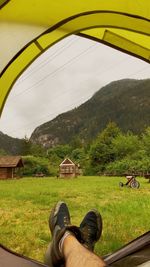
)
(112, 152)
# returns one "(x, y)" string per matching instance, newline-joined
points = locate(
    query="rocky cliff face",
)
(47, 140)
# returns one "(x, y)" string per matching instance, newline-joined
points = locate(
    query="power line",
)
(63, 66)
(58, 69)
(69, 106)
(32, 123)
(45, 62)
(55, 71)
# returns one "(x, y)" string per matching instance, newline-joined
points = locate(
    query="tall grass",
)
(25, 205)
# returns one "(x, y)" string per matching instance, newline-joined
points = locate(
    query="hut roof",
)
(67, 162)
(11, 161)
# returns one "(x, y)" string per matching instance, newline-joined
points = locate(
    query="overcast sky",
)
(64, 77)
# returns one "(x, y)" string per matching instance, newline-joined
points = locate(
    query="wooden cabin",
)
(10, 167)
(68, 169)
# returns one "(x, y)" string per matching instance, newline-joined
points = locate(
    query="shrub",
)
(129, 166)
(33, 165)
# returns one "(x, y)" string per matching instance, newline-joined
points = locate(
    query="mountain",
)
(126, 102)
(10, 145)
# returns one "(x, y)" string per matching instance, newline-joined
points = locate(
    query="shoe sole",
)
(99, 224)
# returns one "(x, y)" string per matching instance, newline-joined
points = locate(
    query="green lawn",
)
(25, 205)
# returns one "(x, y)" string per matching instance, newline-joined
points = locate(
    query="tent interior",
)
(29, 27)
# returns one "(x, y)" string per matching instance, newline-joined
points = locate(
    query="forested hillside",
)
(10, 145)
(125, 102)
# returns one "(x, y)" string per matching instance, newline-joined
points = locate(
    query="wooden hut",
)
(68, 169)
(10, 166)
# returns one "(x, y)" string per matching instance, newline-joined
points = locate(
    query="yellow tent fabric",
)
(29, 27)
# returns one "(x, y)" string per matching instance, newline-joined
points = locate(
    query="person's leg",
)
(66, 248)
(76, 255)
(59, 223)
(47, 257)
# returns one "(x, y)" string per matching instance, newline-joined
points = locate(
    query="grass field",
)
(25, 205)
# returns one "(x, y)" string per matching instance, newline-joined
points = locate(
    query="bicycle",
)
(131, 182)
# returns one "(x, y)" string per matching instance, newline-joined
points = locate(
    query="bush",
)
(33, 165)
(128, 166)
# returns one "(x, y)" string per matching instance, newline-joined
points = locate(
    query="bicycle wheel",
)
(121, 184)
(135, 184)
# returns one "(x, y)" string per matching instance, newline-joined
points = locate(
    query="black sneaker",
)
(59, 216)
(59, 223)
(91, 229)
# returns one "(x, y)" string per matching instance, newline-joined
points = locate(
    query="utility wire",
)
(53, 73)
(45, 116)
(45, 62)
(73, 104)
(62, 67)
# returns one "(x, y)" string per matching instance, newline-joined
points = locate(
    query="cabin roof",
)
(11, 161)
(67, 161)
